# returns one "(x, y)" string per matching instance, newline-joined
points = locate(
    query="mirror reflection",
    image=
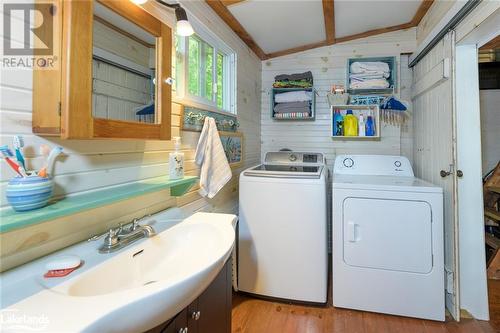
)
(124, 67)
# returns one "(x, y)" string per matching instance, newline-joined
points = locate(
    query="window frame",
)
(182, 94)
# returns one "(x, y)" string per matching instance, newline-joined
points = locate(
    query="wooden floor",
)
(252, 315)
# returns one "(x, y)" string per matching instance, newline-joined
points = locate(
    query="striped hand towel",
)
(215, 170)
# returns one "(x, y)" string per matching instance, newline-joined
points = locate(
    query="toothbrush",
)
(49, 164)
(18, 144)
(7, 154)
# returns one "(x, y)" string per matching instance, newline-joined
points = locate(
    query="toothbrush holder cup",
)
(29, 193)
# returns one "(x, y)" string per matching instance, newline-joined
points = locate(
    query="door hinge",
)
(450, 281)
(59, 107)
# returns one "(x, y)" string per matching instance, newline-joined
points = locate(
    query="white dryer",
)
(387, 238)
(282, 243)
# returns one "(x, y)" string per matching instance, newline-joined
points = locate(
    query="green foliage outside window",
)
(205, 70)
(193, 67)
(220, 79)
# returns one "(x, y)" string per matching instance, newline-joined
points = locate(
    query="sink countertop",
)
(26, 292)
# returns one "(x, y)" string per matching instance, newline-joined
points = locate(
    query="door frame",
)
(472, 261)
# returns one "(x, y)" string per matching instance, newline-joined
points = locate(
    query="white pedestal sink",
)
(133, 290)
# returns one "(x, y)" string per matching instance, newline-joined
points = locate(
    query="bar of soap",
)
(63, 262)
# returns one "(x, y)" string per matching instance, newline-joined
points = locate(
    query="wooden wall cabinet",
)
(209, 313)
(62, 98)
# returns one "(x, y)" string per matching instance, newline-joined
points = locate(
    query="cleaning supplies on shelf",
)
(370, 126)
(338, 123)
(299, 80)
(293, 96)
(361, 126)
(369, 75)
(350, 124)
(176, 160)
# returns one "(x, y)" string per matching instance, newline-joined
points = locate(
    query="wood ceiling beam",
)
(297, 49)
(329, 14)
(230, 2)
(374, 32)
(421, 11)
(221, 10)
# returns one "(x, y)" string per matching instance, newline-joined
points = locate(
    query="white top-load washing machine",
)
(387, 238)
(282, 245)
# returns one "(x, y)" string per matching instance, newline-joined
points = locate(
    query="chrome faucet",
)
(123, 235)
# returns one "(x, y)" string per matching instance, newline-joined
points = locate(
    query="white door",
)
(434, 148)
(388, 234)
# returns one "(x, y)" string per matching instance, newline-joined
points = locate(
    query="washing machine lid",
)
(289, 164)
(285, 171)
(384, 183)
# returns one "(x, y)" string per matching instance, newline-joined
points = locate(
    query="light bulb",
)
(139, 2)
(184, 28)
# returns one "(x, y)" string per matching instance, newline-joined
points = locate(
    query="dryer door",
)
(388, 234)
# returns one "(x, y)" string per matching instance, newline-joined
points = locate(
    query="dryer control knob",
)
(348, 162)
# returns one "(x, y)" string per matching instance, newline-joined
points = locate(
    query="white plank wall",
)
(433, 145)
(328, 65)
(117, 93)
(95, 164)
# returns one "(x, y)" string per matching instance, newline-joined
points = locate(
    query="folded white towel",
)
(369, 67)
(293, 96)
(369, 76)
(369, 84)
(215, 170)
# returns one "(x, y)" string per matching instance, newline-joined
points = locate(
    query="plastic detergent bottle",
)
(176, 161)
(338, 124)
(350, 124)
(361, 126)
(370, 126)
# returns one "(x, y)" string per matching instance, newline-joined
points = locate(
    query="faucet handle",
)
(135, 224)
(112, 236)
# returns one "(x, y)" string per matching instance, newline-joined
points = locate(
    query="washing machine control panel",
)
(310, 158)
(379, 165)
(292, 157)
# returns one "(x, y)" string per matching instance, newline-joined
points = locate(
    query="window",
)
(205, 71)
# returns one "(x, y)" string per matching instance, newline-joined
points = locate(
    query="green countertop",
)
(10, 219)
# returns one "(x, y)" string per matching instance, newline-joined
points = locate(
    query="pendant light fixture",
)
(183, 27)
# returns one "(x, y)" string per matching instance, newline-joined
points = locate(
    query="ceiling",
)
(273, 28)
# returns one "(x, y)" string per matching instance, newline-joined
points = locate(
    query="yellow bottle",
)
(350, 124)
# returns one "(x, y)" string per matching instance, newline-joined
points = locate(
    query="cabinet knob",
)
(183, 330)
(196, 315)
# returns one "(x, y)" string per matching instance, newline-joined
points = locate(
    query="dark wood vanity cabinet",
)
(209, 313)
